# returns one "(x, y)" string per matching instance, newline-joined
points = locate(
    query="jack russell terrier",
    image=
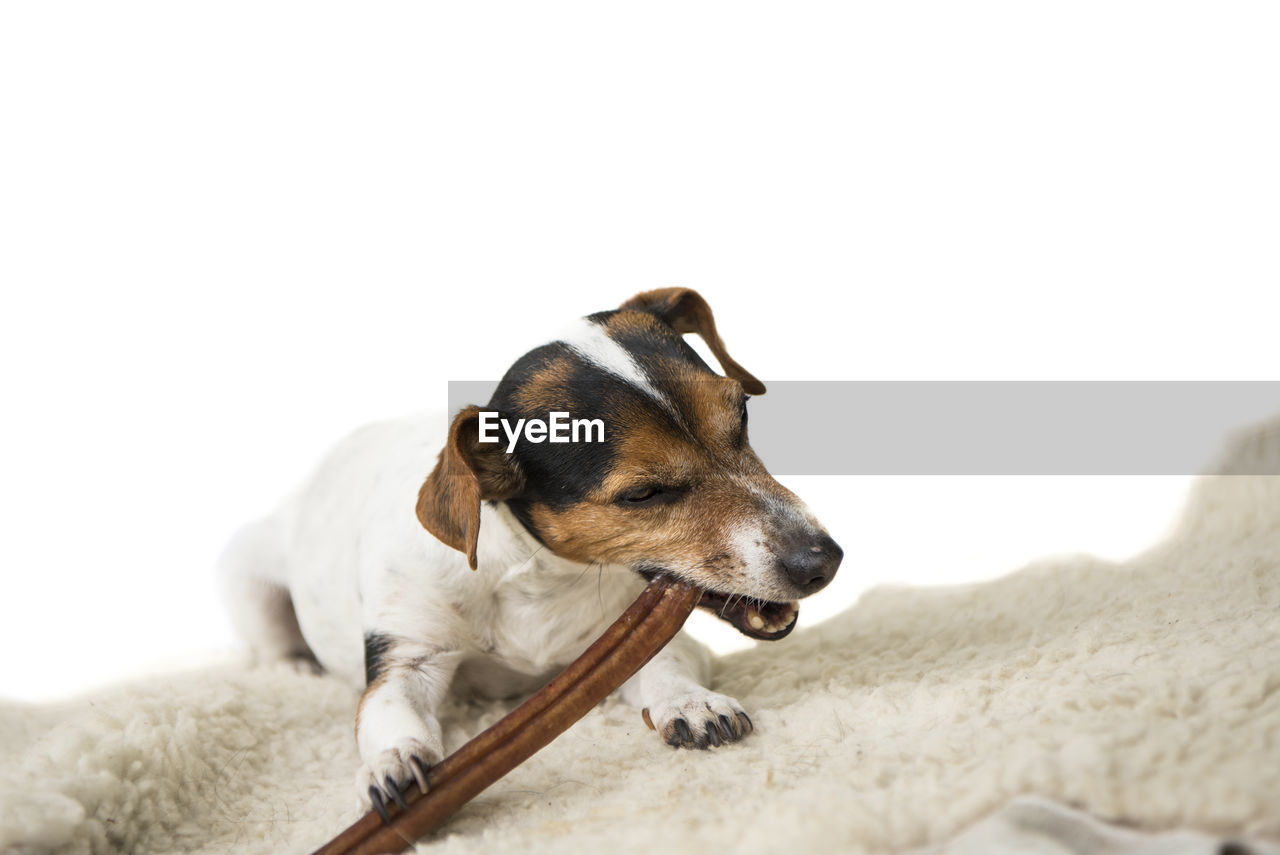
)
(345, 575)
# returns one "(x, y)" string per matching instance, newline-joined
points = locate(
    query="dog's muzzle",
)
(807, 562)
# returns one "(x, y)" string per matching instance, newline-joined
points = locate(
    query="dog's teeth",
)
(756, 621)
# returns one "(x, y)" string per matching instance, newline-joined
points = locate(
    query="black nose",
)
(811, 563)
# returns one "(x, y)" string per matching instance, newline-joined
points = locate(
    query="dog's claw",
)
(394, 772)
(702, 720)
(375, 796)
(393, 789)
(420, 771)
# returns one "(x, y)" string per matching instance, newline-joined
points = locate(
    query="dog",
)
(415, 562)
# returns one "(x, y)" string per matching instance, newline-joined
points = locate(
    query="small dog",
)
(344, 575)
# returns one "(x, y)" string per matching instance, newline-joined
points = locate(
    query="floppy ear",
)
(466, 472)
(686, 312)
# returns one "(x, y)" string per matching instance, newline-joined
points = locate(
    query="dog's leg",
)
(397, 732)
(251, 575)
(672, 691)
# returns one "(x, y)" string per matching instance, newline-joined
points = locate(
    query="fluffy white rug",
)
(1147, 692)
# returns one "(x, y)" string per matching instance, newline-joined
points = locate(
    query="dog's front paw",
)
(699, 720)
(390, 774)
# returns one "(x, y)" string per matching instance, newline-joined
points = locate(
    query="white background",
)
(230, 232)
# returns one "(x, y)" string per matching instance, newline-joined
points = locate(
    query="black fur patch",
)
(376, 646)
(560, 474)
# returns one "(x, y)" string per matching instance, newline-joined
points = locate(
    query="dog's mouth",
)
(755, 618)
(762, 619)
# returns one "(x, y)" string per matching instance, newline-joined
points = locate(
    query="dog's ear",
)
(686, 312)
(467, 472)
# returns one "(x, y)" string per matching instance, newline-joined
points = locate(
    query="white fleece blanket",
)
(1147, 693)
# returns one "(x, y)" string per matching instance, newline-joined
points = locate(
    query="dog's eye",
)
(649, 494)
(640, 494)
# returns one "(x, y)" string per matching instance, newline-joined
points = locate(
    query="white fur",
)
(589, 340)
(747, 539)
(349, 551)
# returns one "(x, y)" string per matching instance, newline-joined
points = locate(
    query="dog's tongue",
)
(767, 621)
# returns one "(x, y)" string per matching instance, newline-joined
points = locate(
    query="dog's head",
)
(674, 486)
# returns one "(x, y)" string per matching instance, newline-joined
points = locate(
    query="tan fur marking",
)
(690, 534)
(709, 403)
(368, 691)
(545, 390)
(633, 322)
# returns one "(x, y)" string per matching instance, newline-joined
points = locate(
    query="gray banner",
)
(820, 427)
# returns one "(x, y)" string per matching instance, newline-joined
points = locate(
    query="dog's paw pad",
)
(702, 720)
(391, 774)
